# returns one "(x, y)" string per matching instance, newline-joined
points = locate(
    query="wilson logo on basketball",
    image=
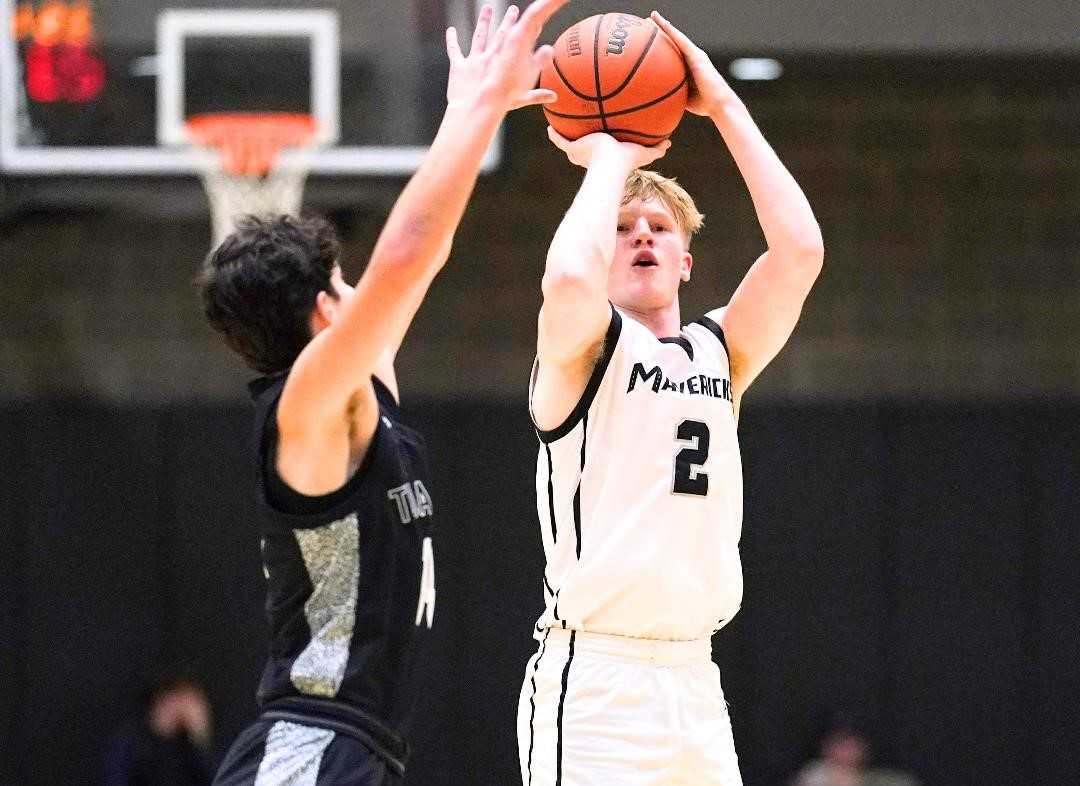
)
(619, 33)
(573, 42)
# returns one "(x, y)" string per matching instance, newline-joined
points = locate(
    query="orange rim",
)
(250, 142)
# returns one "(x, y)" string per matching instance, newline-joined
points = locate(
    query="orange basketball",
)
(617, 73)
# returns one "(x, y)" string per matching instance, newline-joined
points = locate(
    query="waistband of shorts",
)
(345, 719)
(655, 651)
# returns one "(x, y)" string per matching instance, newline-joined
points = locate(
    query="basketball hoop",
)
(257, 163)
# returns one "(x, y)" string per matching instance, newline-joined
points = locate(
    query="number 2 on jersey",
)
(689, 479)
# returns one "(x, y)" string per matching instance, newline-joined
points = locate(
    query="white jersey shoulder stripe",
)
(716, 330)
(681, 341)
(582, 407)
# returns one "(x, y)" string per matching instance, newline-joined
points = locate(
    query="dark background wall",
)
(913, 561)
(948, 190)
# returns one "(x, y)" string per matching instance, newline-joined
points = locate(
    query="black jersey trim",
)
(387, 398)
(344, 728)
(284, 499)
(717, 331)
(551, 497)
(260, 385)
(532, 704)
(611, 339)
(682, 341)
(281, 499)
(345, 718)
(562, 701)
(577, 491)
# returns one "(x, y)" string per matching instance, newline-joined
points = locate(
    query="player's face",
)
(651, 259)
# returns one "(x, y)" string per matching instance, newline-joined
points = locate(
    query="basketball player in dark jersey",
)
(343, 488)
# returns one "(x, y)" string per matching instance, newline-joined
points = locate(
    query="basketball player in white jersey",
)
(639, 480)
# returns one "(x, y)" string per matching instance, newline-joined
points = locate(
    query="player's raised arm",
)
(498, 74)
(576, 312)
(764, 309)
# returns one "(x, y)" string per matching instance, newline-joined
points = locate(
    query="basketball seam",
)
(596, 71)
(637, 65)
(566, 82)
(632, 109)
(616, 91)
(632, 132)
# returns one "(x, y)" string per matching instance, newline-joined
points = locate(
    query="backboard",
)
(104, 86)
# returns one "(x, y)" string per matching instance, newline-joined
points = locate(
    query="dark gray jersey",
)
(350, 575)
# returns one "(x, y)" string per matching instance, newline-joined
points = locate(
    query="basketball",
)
(617, 73)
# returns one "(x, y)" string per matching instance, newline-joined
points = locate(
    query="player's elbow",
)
(811, 246)
(568, 286)
(812, 260)
(806, 255)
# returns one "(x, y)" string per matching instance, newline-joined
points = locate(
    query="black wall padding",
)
(915, 563)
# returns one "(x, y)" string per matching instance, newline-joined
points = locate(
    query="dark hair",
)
(259, 286)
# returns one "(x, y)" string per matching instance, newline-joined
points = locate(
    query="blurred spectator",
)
(843, 761)
(169, 743)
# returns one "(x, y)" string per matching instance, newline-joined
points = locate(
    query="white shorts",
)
(615, 711)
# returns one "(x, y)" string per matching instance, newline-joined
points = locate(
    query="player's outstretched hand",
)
(582, 151)
(708, 90)
(503, 66)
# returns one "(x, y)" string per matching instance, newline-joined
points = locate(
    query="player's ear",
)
(325, 310)
(686, 264)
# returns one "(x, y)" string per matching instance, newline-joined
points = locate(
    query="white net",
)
(252, 164)
(231, 196)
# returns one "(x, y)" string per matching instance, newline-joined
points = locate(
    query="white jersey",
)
(639, 492)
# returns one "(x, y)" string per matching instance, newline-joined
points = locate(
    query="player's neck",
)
(662, 322)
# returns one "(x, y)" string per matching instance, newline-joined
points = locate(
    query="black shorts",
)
(276, 752)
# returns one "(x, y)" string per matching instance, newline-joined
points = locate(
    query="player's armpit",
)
(764, 310)
(316, 455)
(574, 317)
(558, 387)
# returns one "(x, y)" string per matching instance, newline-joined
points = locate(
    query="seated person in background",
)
(169, 744)
(844, 754)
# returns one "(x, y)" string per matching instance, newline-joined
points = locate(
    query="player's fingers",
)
(538, 14)
(659, 150)
(453, 49)
(558, 139)
(677, 35)
(543, 56)
(646, 154)
(483, 28)
(508, 22)
(539, 96)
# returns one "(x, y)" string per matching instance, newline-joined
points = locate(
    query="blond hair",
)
(644, 184)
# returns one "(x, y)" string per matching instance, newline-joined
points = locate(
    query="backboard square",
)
(319, 27)
(388, 81)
